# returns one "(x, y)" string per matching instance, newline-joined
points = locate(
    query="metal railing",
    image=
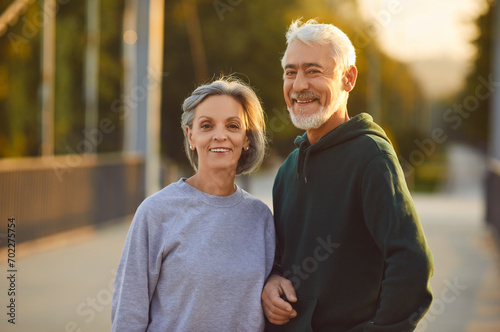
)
(55, 194)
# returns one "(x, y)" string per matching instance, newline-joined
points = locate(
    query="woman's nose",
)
(219, 134)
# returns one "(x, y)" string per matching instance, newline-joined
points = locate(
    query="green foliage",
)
(19, 86)
(21, 82)
(237, 36)
(69, 105)
(111, 72)
(248, 38)
(471, 125)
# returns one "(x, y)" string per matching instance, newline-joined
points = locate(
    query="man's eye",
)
(289, 73)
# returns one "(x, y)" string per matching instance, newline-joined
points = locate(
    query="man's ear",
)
(349, 79)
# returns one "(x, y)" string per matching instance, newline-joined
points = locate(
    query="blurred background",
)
(90, 96)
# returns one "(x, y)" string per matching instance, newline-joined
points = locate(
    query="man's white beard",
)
(313, 121)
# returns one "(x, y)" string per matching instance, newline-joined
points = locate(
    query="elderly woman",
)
(199, 251)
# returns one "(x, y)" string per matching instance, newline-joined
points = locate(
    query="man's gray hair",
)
(312, 32)
(230, 86)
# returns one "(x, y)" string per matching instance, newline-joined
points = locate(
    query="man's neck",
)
(338, 118)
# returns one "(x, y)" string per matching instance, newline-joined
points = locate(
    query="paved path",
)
(64, 284)
(466, 281)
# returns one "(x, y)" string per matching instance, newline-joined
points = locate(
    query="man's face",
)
(312, 89)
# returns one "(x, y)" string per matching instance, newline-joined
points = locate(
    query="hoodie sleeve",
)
(391, 218)
(137, 273)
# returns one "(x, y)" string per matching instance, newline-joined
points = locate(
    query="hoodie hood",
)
(361, 124)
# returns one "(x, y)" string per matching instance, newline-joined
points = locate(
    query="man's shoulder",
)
(290, 160)
(371, 144)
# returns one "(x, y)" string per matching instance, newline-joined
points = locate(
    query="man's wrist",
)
(276, 269)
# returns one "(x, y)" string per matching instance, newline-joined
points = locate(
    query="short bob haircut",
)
(231, 86)
(311, 32)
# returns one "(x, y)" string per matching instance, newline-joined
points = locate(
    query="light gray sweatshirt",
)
(194, 262)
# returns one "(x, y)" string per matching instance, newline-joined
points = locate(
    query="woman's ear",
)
(247, 141)
(189, 135)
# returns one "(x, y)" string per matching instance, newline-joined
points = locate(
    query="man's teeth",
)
(219, 150)
(304, 101)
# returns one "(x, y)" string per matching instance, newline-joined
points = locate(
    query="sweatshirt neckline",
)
(214, 200)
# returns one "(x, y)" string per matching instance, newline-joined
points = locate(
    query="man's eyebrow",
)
(312, 64)
(304, 65)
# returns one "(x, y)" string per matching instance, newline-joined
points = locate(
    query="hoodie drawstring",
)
(302, 160)
(308, 152)
(299, 161)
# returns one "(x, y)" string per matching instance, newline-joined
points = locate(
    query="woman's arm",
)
(137, 274)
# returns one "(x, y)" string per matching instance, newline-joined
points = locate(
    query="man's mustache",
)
(303, 95)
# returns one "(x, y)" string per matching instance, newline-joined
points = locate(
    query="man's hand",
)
(277, 310)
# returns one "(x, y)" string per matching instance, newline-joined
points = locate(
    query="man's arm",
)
(392, 220)
(277, 310)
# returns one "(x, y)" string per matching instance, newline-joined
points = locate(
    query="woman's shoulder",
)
(256, 203)
(167, 200)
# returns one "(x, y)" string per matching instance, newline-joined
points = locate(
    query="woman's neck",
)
(217, 183)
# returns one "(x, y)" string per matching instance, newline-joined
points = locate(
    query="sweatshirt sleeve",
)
(270, 243)
(137, 274)
(391, 218)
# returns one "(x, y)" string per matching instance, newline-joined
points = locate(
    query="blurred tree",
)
(248, 38)
(242, 37)
(69, 107)
(111, 72)
(466, 116)
(19, 85)
(70, 57)
(20, 80)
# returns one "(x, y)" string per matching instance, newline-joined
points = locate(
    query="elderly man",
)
(351, 253)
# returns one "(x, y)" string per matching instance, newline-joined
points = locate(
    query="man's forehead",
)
(299, 54)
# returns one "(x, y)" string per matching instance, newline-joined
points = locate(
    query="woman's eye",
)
(234, 126)
(205, 126)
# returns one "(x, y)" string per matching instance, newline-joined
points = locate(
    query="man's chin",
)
(312, 121)
(307, 123)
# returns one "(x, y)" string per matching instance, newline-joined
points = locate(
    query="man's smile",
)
(303, 98)
(304, 101)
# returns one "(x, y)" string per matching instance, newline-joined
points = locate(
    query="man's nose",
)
(300, 83)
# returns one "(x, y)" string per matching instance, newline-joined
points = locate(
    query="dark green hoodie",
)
(349, 237)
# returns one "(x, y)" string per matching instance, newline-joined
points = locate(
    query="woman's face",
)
(218, 133)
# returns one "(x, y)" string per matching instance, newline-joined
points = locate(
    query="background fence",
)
(50, 195)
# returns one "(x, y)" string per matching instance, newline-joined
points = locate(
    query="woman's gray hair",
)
(250, 159)
(311, 32)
